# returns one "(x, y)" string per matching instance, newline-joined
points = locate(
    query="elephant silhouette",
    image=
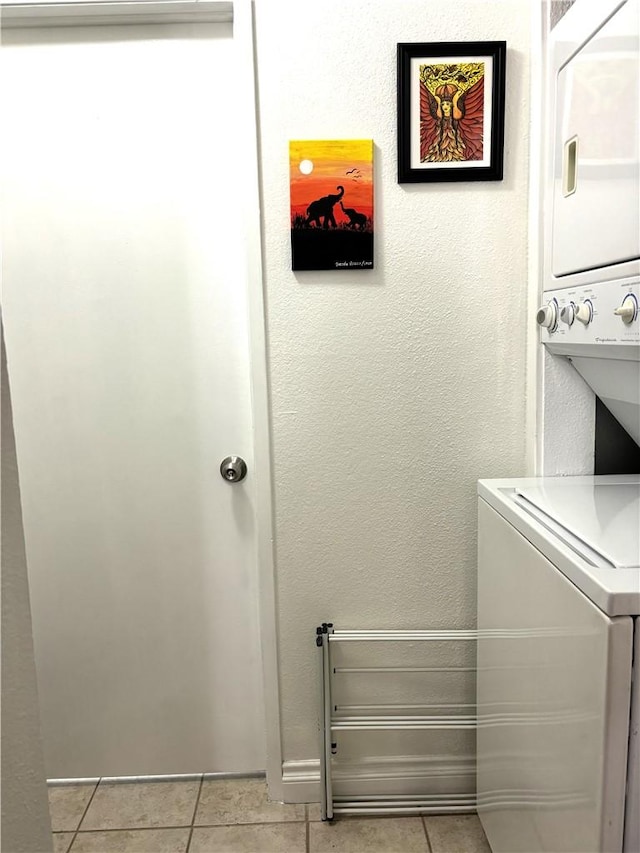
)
(357, 220)
(322, 208)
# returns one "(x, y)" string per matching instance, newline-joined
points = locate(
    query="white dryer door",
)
(595, 197)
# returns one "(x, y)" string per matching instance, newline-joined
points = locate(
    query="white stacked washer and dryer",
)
(559, 556)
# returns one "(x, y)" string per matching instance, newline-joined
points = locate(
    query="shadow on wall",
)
(25, 821)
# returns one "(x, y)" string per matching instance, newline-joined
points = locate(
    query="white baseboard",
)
(301, 781)
(397, 774)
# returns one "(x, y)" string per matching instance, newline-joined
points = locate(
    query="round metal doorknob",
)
(233, 469)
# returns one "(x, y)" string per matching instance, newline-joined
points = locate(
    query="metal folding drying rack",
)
(332, 721)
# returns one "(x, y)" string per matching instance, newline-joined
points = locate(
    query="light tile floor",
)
(235, 816)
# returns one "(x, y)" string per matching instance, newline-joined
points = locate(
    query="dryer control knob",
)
(584, 312)
(628, 311)
(547, 316)
(568, 314)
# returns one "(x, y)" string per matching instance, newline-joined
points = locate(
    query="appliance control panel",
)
(605, 313)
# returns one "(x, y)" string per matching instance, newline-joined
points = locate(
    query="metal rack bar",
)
(406, 798)
(401, 636)
(413, 718)
(334, 719)
(463, 634)
(437, 808)
(341, 669)
(340, 708)
(402, 727)
(326, 632)
(322, 726)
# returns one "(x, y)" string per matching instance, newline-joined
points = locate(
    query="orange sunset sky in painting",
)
(332, 159)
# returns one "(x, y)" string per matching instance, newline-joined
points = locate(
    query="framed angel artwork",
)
(451, 111)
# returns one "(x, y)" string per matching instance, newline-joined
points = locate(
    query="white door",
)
(125, 307)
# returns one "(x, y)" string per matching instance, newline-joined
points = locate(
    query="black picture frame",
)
(446, 111)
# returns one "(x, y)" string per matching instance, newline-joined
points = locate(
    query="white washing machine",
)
(558, 749)
(558, 706)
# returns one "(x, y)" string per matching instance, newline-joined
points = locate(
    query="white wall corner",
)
(537, 132)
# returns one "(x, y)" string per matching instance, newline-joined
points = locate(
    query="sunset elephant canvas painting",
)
(331, 191)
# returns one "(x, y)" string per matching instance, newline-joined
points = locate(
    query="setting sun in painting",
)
(331, 185)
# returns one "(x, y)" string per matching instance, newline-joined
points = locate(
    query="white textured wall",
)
(569, 420)
(26, 827)
(392, 391)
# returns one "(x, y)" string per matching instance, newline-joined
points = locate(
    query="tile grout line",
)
(426, 833)
(81, 830)
(181, 826)
(73, 838)
(132, 829)
(193, 817)
(84, 814)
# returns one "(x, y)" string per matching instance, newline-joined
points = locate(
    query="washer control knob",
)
(584, 312)
(628, 311)
(547, 316)
(568, 314)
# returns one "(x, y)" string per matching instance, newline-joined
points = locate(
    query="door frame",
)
(239, 12)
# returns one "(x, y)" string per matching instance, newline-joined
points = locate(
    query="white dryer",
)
(558, 748)
(590, 312)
